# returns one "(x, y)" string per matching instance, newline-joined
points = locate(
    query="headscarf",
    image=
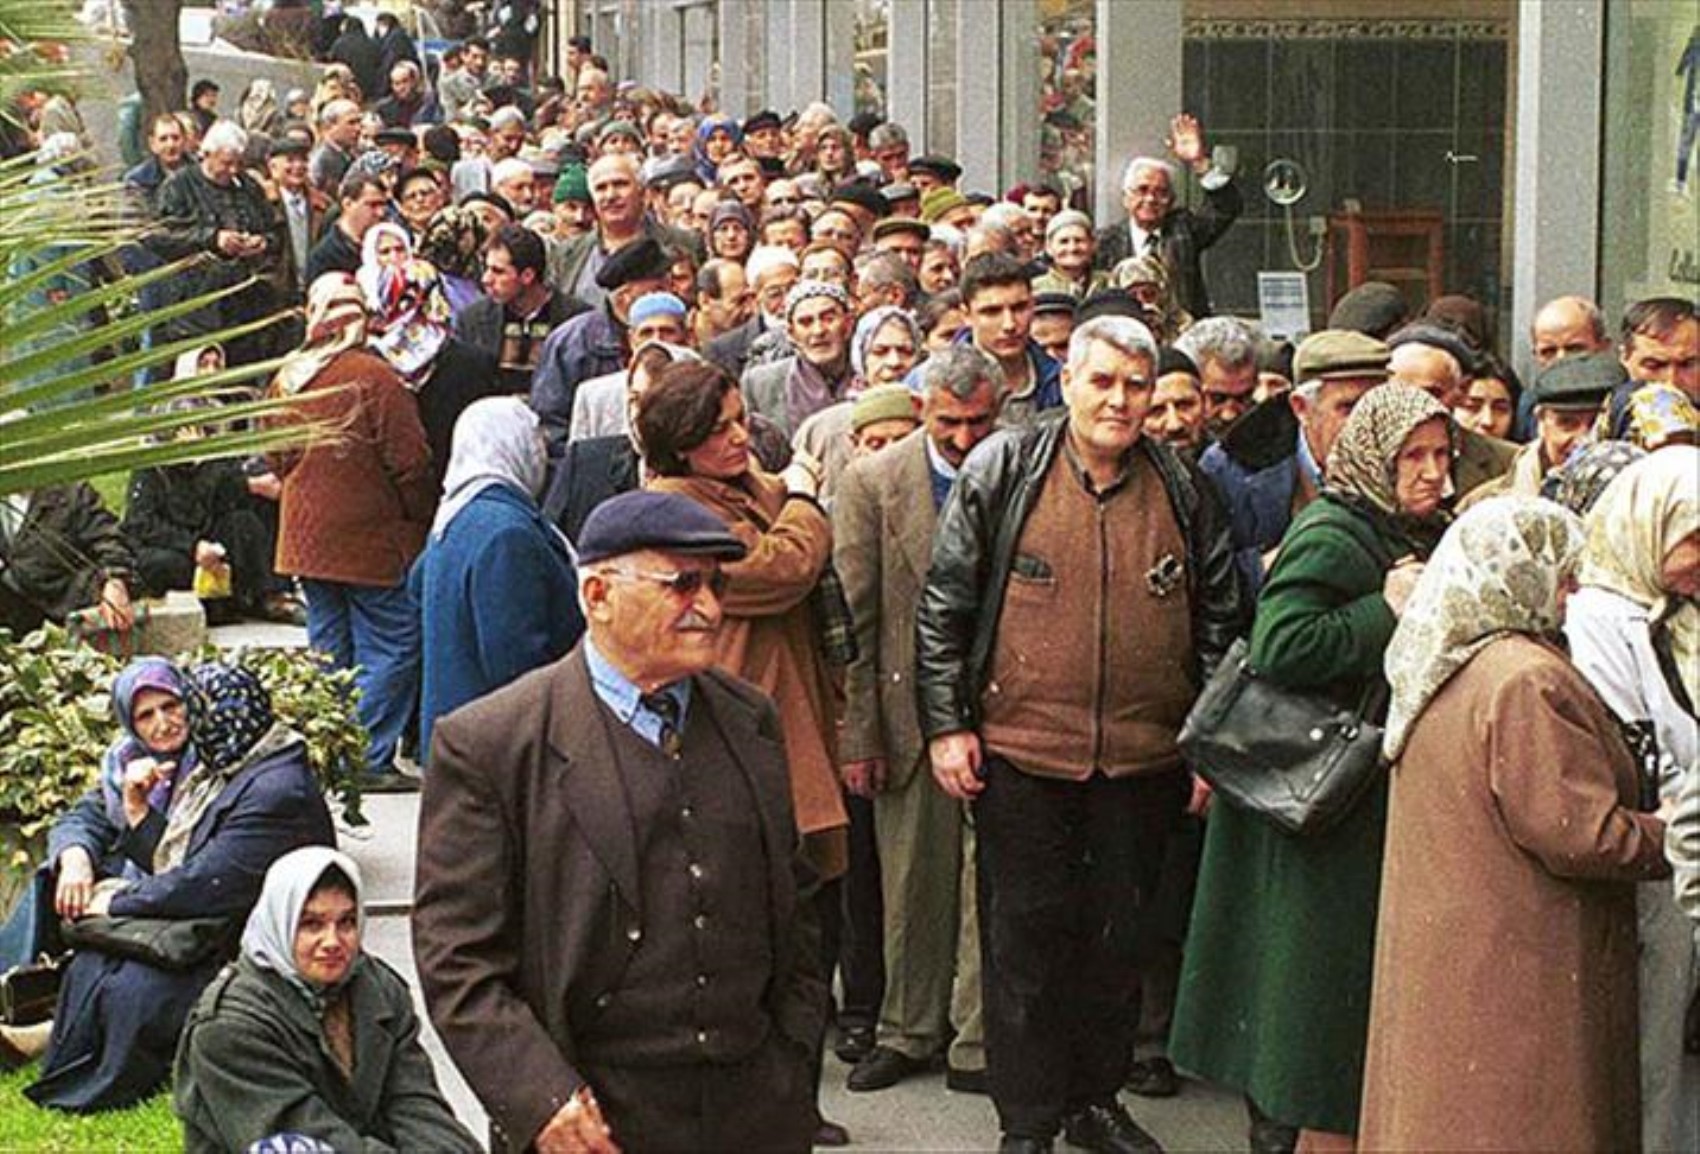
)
(1363, 464)
(268, 940)
(367, 274)
(1578, 483)
(1499, 570)
(144, 673)
(1654, 415)
(336, 322)
(872, 322)
(258, 111)
(454, 242)
(188, 363)
(495, 443)
(374, 162)
(1651, 506)
(410, 318)
(705, 168)
(231, 724)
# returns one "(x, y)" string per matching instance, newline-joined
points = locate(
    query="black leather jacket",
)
(956, 625)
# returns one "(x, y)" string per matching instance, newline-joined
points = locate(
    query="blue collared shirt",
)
(622, 696)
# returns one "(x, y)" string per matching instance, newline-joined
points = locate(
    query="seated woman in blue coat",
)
(495, 586)
(197, 827)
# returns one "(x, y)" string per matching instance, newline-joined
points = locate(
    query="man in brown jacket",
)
(607, 924)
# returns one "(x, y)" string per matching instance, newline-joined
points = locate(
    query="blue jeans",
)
(376, 633)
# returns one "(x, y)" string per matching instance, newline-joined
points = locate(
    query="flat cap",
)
(1334, 354)
(1374, 307)
(861, 194)
(898, 191)
(394, 135)
(1435, 337)
(1108, 303)
(666, 171)
(1054, 304)
(892, 225)
(938, 202)
(641, 260)
(883, 403)
(941, 167)
(1578, 382)
(290, 146)
(665, 522)
(766, 118)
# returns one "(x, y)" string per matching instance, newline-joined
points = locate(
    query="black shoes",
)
(830, 1134)
(1014, 1144)
(966, 1081)
(881, 1069)
(1153, 1078)
(1107, 1129)
(854, 1043)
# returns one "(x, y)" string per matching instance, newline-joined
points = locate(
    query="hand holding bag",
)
(1296, 759)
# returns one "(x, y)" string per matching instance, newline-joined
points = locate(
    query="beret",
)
(1436, 337)
(942, 167)
(666, 522)
(396, 136)
(1374, 307)
(641, 260)
(882, 403)
(1578, 382)
(1336, 353)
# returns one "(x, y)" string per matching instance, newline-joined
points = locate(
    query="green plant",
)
(56, 722)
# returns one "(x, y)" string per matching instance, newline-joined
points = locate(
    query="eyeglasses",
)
(683, 585)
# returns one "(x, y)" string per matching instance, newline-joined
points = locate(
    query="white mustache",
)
(694, 622)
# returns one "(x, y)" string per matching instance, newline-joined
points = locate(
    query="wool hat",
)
(655, 305)
(665, 522)
(1435, 337)
(882, 403)
(939, 201)
(1578, 382)
(1068, 217)
(574, 185)
(1333, 354)
(808, 290)
(1374, 307)
(618, 128)
(861, 194)
(641, 260)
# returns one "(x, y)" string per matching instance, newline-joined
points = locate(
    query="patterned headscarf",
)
(268, 940)
(336, 322)
(229, 711)
(1498, 570)
(1654, 415)
(871, 323)
(1578, 483)
(370, 265)
(454, 242)
(410, 317)
(1364, 460)
(1640, 517)
(1149, 268)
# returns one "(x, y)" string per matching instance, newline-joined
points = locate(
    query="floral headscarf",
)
(371, 264)
(1148, 268)
(1578, 483)
(1654, 415)
(1499, 570)
(409, 311)
(454, 242)
(336, 322)
(144, 673)
(268, 940)
(1363, 461)
(1641, 516)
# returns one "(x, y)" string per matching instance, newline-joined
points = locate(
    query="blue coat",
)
(497, 597)
(115, 1028)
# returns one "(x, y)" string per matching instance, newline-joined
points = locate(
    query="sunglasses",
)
(684, 585)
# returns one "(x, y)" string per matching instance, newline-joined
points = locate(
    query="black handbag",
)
(168, 943)
(29, 992)
(1296, 759)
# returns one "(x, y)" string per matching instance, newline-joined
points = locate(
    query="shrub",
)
(56, 721)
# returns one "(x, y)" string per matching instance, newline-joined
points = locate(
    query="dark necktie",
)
(666, 707)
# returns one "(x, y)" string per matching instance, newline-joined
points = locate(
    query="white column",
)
(780, 18)
(1138, 89)
(1018, 89)
(838, 50)
(807, 52)
(1556, 225)
(906, 89)
(736, 67)
(697, 50)
(979, 124)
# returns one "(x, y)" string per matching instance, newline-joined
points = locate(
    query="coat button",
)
(603, 1000)
(702, 981)
(634, 934)
(702, 1037)
(696, 872)
(700, 921)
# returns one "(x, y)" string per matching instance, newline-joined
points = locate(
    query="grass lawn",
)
(140, 1130)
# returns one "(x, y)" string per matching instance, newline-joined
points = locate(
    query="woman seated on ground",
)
(200, 829)
(307, 1034)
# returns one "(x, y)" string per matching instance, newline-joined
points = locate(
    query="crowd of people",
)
(911, 520)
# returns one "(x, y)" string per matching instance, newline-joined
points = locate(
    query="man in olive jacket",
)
(608, 929)
(1082, 586)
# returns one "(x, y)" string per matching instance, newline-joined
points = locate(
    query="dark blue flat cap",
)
(665, 522)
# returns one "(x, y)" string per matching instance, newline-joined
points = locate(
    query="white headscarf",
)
(268, 940)
(1498, 571)
(495, 443)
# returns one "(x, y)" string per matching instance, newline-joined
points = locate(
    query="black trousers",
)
(1066, 869)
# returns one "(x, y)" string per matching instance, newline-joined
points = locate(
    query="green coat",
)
(253, 1062)
(1274, 995)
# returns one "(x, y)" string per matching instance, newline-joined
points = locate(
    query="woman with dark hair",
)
(731, 232)
(201, 831)
(1275, 986)
(1489, 401)
(307, 1034)
(693, 431)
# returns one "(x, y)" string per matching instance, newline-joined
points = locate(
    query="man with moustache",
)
(628, 937)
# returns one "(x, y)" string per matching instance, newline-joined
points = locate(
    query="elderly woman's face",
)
(1071, 247)
(1679, 573)
(327, 938)
(391, 250)
(725, 456)
(160, 720)
(890, 354)
(1422, 468)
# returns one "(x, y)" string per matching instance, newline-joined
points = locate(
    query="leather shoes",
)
(830, 1134)
(966, 1081)
(854, 1043)
(882, 1069)
(1107, 1129)
(1153, 1078)
(1015, 1144)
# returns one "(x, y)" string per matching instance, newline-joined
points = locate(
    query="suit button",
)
(897, 677)
(702, 1037)
(687, 813)
(702, 981)
(603, 1000)
(696, 872)
(700, 921)
(635, 934)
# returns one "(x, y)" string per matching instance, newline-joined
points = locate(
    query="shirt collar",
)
(623, 697)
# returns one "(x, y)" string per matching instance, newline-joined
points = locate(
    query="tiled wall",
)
(1370, 109)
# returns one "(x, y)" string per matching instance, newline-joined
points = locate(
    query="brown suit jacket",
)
(526, 906)
(882, 530)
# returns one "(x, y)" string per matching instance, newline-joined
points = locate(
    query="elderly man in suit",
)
(883, 521)
(607, 923)
(1154, 224)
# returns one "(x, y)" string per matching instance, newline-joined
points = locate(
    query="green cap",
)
(573, 185)
(1578, 382)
